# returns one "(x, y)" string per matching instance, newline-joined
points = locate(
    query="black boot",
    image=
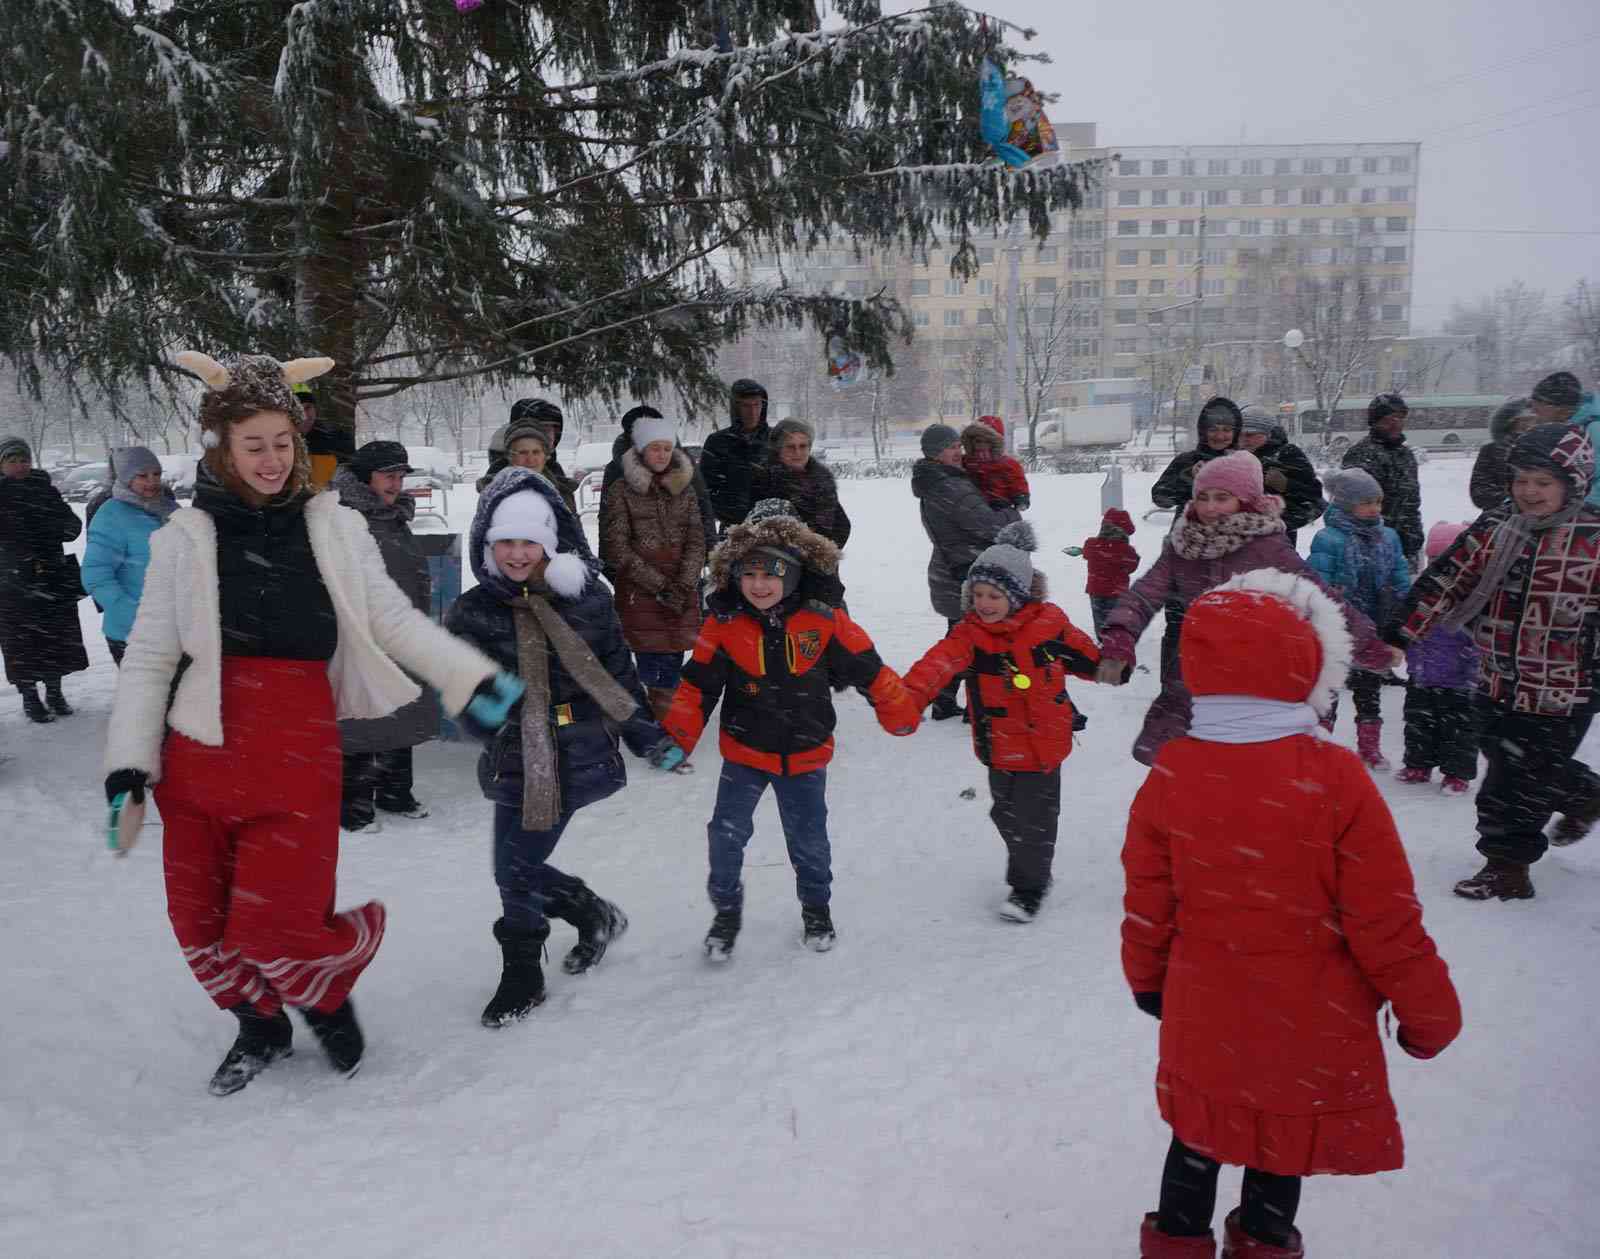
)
(340, 1036)
(818, 928)
(724, 931)
(56, 700)
(598, 922)
(260, 1043)
(521, 977)
(32, 704)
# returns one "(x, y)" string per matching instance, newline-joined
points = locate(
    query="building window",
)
(1083, 288)
(1393, 314)
(1158, 257)
(1158, 196)
(1123, 373)
(1251, 166)
(1127, 196)
(1364, 254)
(1281, 166)
(1280, 196)
(1127, 257)
(1157, 288)
(1186, 197)
(1396, 224)
(1394, 253)
(1250, 196)
(1216, 196)
(1128, 227)
(1047, 253)
(1125, 345)
(1086, 260)
(1344, 227)
(1187, 257)
(1128, 168)
(985, 317)
(1158, 167)
(952, 288)
(1394, 284)
(1249, 227)
(1280, 227)
(1212, 314)
(1217, 166)
(985, 288)
(1245, 288)
(1087, 229)
(1185, 288)
(1369, 166)
(954, 318)
(1399, 165)
(1249, 257)
(1156, 317)
(986, 256)
(919, 288)
(1311, 196)
(1399, 194)
(1127, 288)
(1045, 284)
(1216, 257)
(1341, 166)
(1369, 196)
(1125, 317)
(1311, 166)
(1215, 288)
(1158, 227)
(920, 318)
(1246, 315)
(1185, 227)
(1095, 200)
(1186, 167)
(1341, 196)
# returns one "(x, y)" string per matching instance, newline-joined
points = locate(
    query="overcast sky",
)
(1505, 98)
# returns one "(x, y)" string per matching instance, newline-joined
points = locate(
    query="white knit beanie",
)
(525, 514)
(647, 429)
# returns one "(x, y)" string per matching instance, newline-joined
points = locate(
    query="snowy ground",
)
(942, 1084)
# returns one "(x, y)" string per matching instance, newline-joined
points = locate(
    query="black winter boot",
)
(599, 922)
(724, 931)
(521, 978)
(260, 1043)
(340, 1036)
(32, 705)
(1498, 880)
(56, 700)
(817, 927)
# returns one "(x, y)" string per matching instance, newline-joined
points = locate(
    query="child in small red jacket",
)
(999, 477)
(1016, 651)
(1270, 913)
(1112, 560)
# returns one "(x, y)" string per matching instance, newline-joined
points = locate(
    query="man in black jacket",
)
(1285, 470)
(960, 523)
(732, 454)
(1216, 433)
(1384, 455)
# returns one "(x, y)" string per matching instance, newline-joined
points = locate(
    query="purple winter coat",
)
(1444, 658)
(1172, 577)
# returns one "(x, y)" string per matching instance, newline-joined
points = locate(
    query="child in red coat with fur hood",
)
(1270, 914)
(1016, 651)
(999, 477)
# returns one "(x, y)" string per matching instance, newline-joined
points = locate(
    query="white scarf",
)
(1248, 719)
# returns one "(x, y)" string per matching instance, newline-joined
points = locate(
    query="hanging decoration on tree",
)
(846, 368)
(1011, 117)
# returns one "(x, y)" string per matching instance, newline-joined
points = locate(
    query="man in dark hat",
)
(1285, 470)
(1384, 455)
(1560, 398)
(732, 454)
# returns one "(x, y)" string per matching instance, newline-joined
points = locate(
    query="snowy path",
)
(942, 1084)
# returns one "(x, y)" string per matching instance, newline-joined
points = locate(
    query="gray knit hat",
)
(937, 438)
(1350, 487)
(14, 447)
(1007, 568)
(1257, 419)
(130, 461)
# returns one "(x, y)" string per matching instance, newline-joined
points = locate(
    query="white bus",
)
(1434, 422)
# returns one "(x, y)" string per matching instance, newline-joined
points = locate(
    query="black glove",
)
(133, 781)
(1149, 1002)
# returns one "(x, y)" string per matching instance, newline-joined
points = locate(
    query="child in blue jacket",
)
(1362, 558)
(118, 549)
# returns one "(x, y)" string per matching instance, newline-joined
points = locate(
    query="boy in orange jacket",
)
(769, 649)
(1019, 650)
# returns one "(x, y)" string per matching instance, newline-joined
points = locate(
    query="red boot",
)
(1238, 1244)
(1367, 735)
(1154, 1244)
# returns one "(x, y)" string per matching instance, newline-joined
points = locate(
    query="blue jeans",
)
(522, 870)
(659, 669)
(803, 808)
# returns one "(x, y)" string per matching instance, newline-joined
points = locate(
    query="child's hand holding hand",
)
(491, 704)
(1111, 672)
(668, 756)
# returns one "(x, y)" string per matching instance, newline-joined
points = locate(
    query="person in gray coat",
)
(961, 524)
(377, 754)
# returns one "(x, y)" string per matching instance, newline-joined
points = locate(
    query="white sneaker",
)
(416, 812)
(373, 827)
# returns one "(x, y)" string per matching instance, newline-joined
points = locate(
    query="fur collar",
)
(676, 479)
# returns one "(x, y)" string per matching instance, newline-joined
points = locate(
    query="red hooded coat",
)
(1111, 560)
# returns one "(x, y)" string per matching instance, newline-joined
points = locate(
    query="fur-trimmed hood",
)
(570, 537)
(979, 436)
(677, 478)
(816, 553)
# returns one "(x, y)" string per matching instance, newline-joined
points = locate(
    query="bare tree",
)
(1043, 332)
(1515, 334)
(976, 374)
(1334, 313)
(1582, 310)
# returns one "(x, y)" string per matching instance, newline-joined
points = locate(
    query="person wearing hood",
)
(542, 612)
(793, 474)
(1523, 580)
(497, 458)
(961, 524)
(1491, 479)
(622, 443)
(1111, 562)
(40, 584)
(1216, 433)
(532, 435)
(267, 616)
(118, 548)
(1384, 456)
(732, 455)
(653, 549)
(1285, 470)
(770, 651)
(1001, 479)
(1560, 398)
(377, 752)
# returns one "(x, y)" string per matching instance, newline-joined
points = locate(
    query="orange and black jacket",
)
(772, 671)
(1016, 683)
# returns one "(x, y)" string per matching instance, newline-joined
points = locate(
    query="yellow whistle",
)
(1021, 681)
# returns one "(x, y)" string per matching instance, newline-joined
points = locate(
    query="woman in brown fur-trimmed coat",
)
(653, 548)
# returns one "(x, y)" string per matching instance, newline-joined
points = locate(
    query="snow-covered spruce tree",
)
(534, 188)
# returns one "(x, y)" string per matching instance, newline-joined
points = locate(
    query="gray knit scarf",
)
(539, 627)
(161, 506)
(1505, 545)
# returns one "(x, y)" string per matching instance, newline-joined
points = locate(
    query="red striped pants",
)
(252, 845)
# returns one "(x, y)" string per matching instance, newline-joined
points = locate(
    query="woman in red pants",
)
(267, 616)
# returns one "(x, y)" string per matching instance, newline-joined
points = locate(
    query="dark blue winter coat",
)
(589, 763)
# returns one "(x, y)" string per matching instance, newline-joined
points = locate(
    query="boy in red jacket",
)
(1112, 560)
(1269, 915)
(769, 650)
(1019, 650)
(999, 477)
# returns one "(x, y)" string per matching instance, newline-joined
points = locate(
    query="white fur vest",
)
(180, 615)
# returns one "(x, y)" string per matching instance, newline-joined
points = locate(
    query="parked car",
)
(84, 481)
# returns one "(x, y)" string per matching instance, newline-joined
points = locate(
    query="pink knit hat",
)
(1440, 537)
(1240, 474)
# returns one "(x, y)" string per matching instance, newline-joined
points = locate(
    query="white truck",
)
(1103, 427)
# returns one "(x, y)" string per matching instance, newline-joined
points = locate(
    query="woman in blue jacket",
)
(118, 550)
(1364, 560)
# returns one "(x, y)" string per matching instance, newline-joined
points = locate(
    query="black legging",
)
(1267, 1204)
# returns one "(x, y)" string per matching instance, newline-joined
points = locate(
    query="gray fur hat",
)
(129, 461)
(1007, 568)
